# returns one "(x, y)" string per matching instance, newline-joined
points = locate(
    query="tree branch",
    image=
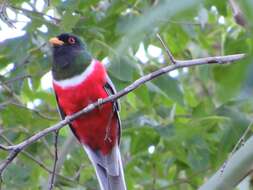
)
(237, 167)
(18, 78)
(237, 13)
(3, 14)
(15, 149)
(21, 105)
(27, 58)
(184, 180)
(37, 161)
(172, 60)
(65, 149)
(8, 160)
(56, 20)
(52, 176)
(48, 3)
(36, 111)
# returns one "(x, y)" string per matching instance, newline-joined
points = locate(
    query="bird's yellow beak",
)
(55, 41)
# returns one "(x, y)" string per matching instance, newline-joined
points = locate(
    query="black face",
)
(64, 54)
(70, 40)
(69, 55)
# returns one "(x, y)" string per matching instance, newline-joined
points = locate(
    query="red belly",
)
(90, 128)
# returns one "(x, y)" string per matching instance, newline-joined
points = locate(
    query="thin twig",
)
(27, 58)
(52, 178)
(239, 143)
(18, 78)
(180, 22)
(8, 160)
(242, 139)
(30, 156)
(154, 177)
(5, 103)
(78, 172)
(47, 146)
(27, 154)
(237, 167)
(56, 20)
(237, 13)
(63, 152)
(172, 60)
(185, 180)
(3, 147)
(11, 92)
(38, 112)
(3, 14)
(21, 105)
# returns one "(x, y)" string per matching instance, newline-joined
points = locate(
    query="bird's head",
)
(70, 56)
(66, 42)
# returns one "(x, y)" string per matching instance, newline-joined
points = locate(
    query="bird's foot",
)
(107, 138)
(100, 100)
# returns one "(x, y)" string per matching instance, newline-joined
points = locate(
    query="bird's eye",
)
(71, 40)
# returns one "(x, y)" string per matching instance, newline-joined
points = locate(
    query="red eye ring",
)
(71, 40)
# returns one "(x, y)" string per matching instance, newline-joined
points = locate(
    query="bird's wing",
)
(110, 89)
(63, 115)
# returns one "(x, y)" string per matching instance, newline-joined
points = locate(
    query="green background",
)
(192, 120)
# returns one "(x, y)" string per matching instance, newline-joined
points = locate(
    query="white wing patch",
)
(78, 79)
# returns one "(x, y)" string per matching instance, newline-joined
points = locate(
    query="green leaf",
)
(69, 21)
(17, 176)
(122, 68)
(198, 154)
(170, 87)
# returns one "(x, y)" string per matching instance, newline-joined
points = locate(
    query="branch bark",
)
(15, 149)
(237, 168)
(18, 78)
(26, 11)
(237, 13)
(37, 161)
(172, 60)
(52, 176)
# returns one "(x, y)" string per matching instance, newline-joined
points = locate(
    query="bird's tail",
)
(108, 168)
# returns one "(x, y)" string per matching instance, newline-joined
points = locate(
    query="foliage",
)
(177, 129)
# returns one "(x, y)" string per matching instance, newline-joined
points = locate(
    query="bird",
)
(79, 80)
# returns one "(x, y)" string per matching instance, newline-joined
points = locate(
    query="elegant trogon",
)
(78, 80)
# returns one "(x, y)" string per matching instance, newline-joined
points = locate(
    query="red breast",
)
(90, 128)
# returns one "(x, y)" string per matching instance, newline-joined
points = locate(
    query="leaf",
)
(69, 21)
(220, 5)
(17, 175)
(198, 154)
(146, 139)
(166, 131)
(122, 68)
(229, 79)
(142, 94)
(170, 87)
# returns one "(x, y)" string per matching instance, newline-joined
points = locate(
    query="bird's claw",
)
(107, 138)
(100, 100)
